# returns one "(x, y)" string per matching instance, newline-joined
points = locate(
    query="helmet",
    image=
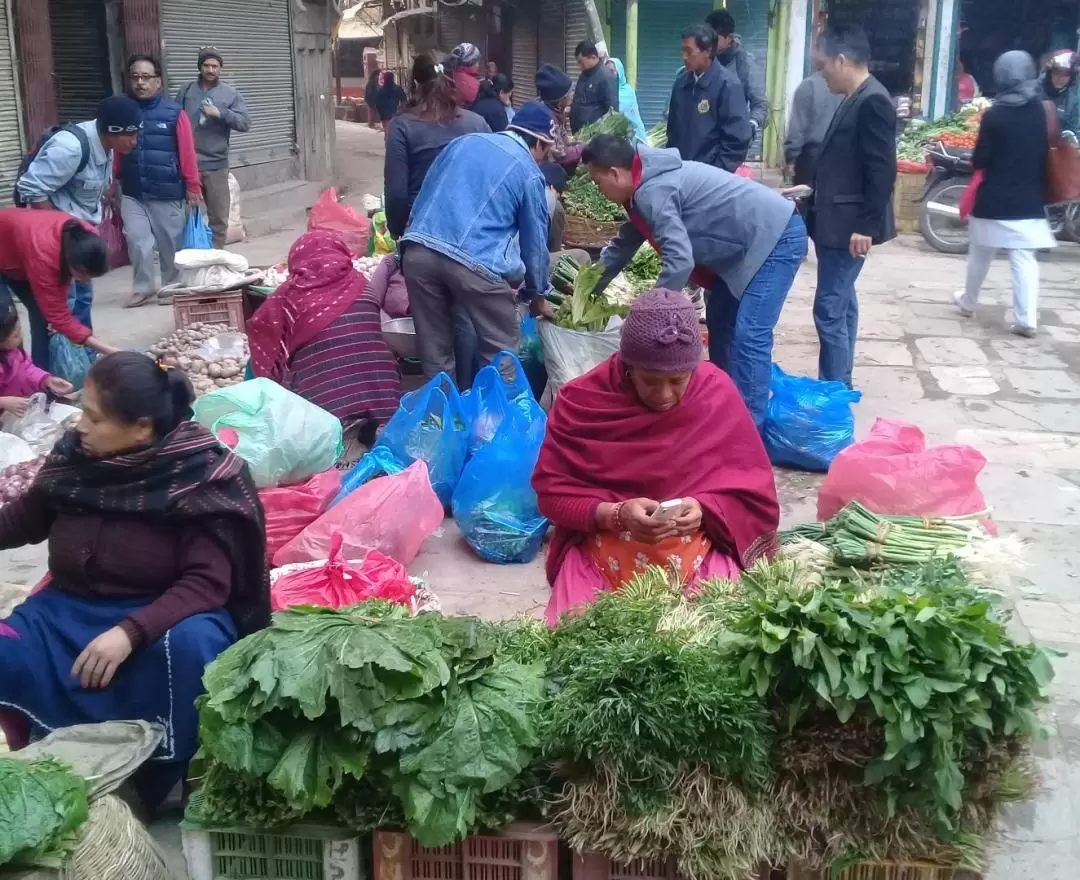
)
(1064, 61)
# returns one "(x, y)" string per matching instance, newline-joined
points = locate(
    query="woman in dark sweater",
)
(157, 563)
(1010, 205)
(388, 99)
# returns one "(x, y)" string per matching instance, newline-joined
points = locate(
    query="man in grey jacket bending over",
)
(734, 237)
(216, 111)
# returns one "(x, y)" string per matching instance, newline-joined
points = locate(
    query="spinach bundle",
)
(419, 709)
(644, 267)
(42, 806)
(612, 122)
(582, 198)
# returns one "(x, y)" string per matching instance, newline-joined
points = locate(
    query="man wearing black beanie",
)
(216, 111)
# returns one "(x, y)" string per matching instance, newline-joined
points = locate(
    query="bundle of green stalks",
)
(859, 536)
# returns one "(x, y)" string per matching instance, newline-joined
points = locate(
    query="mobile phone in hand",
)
(668, 509)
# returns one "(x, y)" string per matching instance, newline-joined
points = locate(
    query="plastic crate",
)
(521, 852)
(300, 853)
(209, 308)
(887, 871)
(907, 201)
(593, 866)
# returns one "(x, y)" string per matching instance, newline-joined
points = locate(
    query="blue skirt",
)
(157, 683)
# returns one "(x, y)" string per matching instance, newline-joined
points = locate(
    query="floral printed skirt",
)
(619, 557)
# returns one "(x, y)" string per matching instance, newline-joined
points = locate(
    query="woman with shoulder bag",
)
(1010, 204)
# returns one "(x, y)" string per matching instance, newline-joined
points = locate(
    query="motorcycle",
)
(939, 219)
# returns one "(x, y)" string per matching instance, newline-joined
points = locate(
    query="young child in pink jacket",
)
(19, 378)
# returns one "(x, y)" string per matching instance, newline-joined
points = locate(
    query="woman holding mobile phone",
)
(652, 459)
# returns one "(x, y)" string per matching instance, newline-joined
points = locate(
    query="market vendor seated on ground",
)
(319, 335)
(653, 423)
(157, 562)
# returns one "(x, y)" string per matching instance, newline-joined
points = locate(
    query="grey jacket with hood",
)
(736, 59)
(700, 216)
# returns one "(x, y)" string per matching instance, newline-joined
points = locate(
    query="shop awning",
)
(406, 13)
(361, 22)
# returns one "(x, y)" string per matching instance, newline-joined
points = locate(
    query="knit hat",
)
(552, 84)
(662, 333)
(210, 52)
(119, 114)
(465, 55)
(534, 119)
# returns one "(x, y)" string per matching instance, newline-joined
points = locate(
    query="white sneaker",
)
(1026, 332)
(958, 298)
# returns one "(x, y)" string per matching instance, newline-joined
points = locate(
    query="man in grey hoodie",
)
(730, 53)
(736, 238)
(216, 111)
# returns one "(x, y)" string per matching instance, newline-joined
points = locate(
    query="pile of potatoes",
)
(182, 349)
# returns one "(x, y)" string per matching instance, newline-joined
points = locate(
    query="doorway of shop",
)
(83, 47)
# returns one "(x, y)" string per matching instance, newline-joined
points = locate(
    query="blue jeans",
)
(79, 301)
(741, 330)
(836, 313)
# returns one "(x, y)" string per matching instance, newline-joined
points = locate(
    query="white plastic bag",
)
(572, 353)
(42, 425)
(14, 450)
(283, 438)
(206, 267)
(236, 232)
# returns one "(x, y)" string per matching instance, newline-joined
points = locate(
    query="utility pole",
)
(597, 28)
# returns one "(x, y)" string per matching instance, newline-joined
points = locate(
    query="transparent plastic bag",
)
(494, 503)
(43, 424)
(893, 472)
(431, 425)
(283, 438)
(339, 583)
(572, 353)
(291, 509)
(393, 515)
(808, 421)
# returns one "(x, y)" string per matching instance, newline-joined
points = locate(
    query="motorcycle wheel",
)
(944, 234)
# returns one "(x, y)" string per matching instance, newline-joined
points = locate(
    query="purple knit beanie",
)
(662, 334)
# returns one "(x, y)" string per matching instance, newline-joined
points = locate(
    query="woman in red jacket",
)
(41, 253)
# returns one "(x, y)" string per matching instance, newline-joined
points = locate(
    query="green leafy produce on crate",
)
(419, 708)
(42, 807)
(582, 198)
(612, 122)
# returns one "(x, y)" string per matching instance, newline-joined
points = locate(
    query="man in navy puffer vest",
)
(157, 178)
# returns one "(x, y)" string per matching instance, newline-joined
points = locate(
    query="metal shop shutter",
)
(524, 62)
(80, 58)
(577, 29)
(254, 38)
(552, 44)
(660, 27)
(11, 144)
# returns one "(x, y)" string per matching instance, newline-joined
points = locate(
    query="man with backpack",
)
(70, 170)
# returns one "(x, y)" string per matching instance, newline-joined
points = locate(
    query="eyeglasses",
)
(142, 77)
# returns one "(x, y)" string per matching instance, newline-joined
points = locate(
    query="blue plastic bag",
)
(68, 360)
(531, 353)
(379, 462)
(431, 425)
(197, 234)
(493, 397)
(808, 421)
(494, 503)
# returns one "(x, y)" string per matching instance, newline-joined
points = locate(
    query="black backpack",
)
(84, 142)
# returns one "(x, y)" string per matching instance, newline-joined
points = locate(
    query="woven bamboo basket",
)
(581, 232)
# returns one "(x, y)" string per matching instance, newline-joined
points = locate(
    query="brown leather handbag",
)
(1062, 161)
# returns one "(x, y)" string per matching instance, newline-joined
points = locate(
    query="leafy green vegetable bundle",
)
(582, 198)
(42, 807)
(612, 122)
(416, 720)
(583, 309)
(645, 267)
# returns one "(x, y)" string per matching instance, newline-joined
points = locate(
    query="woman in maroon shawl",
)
(653, 423)
(320, 336)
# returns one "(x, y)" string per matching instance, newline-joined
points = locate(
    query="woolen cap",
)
(662, 334)
(210, 52)
(552, 84)
(119, 114)
(534, 119)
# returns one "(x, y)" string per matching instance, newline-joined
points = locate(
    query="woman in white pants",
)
(1010, 206)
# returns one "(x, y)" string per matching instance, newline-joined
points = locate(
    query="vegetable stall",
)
(858, 698)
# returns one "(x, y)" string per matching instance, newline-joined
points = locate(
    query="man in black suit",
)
(851, 208)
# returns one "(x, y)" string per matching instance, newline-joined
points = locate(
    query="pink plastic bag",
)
(329, 214)
(111, 231)
(339, 583)
(393, 515)
(291, 509)
(892, 472)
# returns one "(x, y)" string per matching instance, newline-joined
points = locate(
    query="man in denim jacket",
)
(479, 229)
(54, 180)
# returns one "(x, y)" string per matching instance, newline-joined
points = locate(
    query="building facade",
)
(62, 57)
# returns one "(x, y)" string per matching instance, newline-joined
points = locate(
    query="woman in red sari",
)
(651, 424)
(320, 336)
